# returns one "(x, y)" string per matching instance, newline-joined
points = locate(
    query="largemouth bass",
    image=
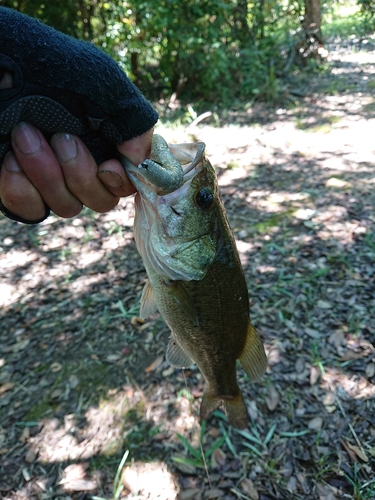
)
(195, 275)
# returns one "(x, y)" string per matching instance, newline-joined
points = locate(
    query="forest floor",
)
(82, 380)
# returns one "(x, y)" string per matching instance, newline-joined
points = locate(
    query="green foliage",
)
(219, 52)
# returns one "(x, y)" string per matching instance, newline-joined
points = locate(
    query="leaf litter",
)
(82, 380)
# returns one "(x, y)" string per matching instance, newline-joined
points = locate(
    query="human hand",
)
(63, 174)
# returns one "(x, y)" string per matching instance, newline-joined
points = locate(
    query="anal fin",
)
(148, 302)
(177, 356)
(253, 358)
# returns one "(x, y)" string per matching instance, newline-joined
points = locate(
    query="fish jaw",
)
(173, 235)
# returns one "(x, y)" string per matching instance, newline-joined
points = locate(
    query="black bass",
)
(195, 275)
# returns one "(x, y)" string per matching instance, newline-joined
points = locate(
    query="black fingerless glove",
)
(60, 84)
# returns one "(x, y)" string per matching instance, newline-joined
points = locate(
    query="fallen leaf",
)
(158, 361)
(336, 183)
(188, 494)
(218, 457)
(314, 375)
(352, 455)
(292, 484)
(30, 455)
(80, 485)
(337, 338)
(168, 371)
(214, 493)
(313, 333)
(56, 367)
(73, 381)
(73, 472)
(21, 345)
(370, 370)
(25, 435)
(329, 398)
(6, 387)
(323, 304)
(358, 451)
(247, 486)
(315, 424)
(112, 358)
(272, 398)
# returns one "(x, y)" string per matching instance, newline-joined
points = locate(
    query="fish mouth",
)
(190, 156)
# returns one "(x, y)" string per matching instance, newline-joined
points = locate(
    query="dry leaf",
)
(112, 358)
(25, 435)
(80, 485)
(188, 494)
(370, 370)
(329, 398)
(6, 387)
(168, 371)
(272, 398)
(313, 333)
(314, 375)
(247, 486)
(73, 381)
(73, 472)
(358, 451)
(323, 304)
(337, 338)
(214, 493)
(30, 455)
(315, 424)
(56, 367)
(218, 457)
(21, 345)
(158, 361)
(348, 451)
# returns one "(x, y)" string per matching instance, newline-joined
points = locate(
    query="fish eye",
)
(204, 198)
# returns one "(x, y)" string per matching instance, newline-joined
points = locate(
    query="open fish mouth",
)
(168, 170)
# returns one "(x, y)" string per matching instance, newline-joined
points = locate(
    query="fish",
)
(195, 277)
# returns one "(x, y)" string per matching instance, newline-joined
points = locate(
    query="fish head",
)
(177, 210)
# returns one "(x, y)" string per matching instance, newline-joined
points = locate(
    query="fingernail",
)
(111, 179)
(26, 138)
(65, 146)
(10, 163)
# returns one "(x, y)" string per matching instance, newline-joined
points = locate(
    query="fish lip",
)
(190, 170)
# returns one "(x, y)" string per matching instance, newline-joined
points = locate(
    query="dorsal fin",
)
(177, 356)
(148, 302)
(253, 358)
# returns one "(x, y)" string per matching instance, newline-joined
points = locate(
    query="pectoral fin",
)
(148, 302)
(177, 356)
(253, 359)
(183, 299)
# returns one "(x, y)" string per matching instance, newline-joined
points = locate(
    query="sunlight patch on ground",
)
(150, 480)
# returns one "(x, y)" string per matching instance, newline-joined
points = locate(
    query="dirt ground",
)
(83, 381)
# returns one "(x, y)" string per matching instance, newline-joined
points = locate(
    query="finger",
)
(17, 193)
(41, 167)
(80, 173)
(138, 148)
(112, 174)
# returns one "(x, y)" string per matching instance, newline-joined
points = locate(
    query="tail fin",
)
(234, 408)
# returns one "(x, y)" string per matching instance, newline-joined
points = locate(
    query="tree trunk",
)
(313, 19)
(311, 45)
